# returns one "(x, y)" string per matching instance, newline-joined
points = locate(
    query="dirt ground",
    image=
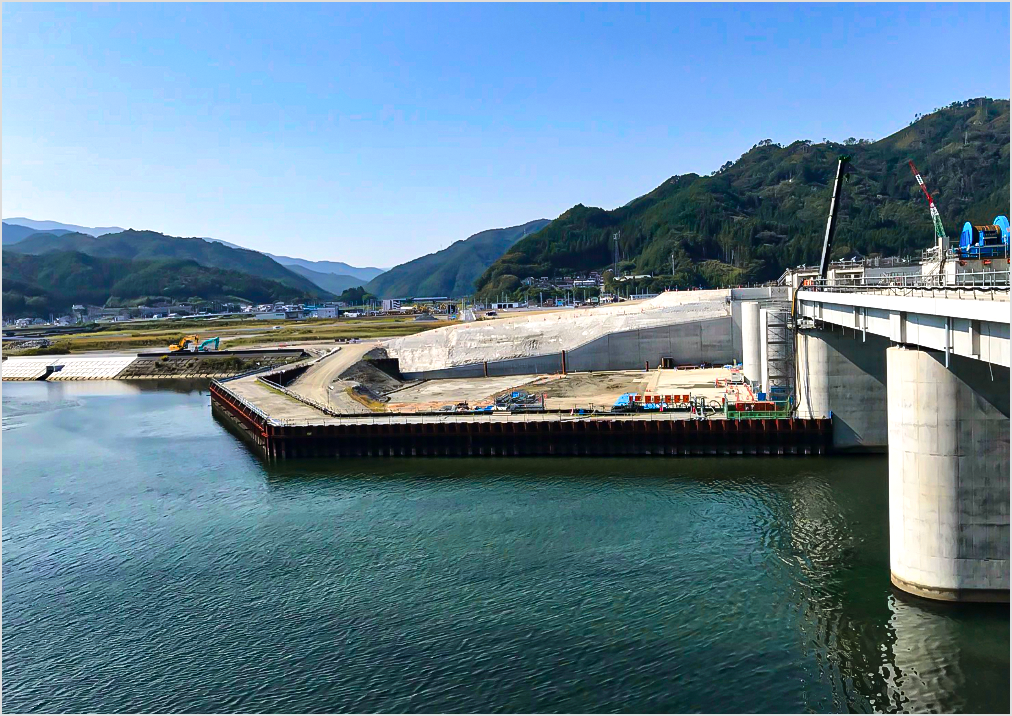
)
(562, 392)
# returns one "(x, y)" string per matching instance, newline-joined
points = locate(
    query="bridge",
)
(918, 366)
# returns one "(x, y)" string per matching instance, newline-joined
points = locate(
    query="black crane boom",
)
(834, 206)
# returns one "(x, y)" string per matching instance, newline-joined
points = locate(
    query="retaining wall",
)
(692, 343)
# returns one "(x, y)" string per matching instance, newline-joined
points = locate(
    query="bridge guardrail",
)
(993, 280)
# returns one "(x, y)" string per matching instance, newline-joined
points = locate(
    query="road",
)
(315, 382)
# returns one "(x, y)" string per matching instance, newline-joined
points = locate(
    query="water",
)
(151, 563)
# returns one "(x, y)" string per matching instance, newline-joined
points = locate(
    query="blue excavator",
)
(211, 344)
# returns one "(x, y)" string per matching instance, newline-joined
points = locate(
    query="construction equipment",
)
(941, 240)
(985, 242)
(834, 206)
(186, 343)
(211, 344)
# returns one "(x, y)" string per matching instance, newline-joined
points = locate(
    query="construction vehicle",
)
(211, 344)
(186, 343)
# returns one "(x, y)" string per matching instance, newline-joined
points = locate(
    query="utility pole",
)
(672, 263)
(616, 236)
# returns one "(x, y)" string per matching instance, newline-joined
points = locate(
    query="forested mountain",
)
(150, 245)
(452, 271)
(755, 216)
(53, 282)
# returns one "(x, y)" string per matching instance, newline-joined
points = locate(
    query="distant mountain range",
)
(333, 282)
(150, 245)
(49, 226)
(51, 283)
(452, 271)
(320, 272)
(332, 267)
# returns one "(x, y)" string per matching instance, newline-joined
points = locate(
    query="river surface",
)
(152, 563)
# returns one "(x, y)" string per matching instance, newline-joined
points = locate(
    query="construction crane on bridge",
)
(941, 240)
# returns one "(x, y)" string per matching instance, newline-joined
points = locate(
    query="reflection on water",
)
(152, 563)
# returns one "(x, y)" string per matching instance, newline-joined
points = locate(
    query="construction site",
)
(662, 366)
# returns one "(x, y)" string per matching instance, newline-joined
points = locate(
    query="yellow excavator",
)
(184, 344)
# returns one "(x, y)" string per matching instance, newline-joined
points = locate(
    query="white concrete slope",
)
(537, 334)
(65, 367)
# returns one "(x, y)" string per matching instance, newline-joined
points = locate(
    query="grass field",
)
(237, 333)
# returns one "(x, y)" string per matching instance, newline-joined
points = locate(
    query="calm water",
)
(151, 563)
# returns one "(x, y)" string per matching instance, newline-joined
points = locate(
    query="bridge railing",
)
(972, 279)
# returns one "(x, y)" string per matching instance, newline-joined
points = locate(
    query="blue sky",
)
(376, 133)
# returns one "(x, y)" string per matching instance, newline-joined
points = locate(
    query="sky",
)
(373, 134)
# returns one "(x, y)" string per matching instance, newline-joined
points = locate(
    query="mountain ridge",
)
(362, 273)
(451, 271)
(151, 245)
(46, 225)
(38, 285)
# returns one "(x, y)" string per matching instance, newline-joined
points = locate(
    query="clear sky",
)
(376, 133)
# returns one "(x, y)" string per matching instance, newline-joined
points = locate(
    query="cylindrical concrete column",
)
(750, 341)
(948, 476)
(843, 377)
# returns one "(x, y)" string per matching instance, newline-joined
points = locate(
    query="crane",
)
(834, 206)
(940, 238)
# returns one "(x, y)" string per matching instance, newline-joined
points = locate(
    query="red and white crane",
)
(940, 238)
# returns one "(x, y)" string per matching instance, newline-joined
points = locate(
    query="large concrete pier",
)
(948, 476)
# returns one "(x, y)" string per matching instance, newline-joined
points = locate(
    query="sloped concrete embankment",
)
(690, 327)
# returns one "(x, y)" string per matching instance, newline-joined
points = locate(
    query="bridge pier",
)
(948, 476)
(844, 376)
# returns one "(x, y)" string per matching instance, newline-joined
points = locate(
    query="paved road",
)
(316, 381)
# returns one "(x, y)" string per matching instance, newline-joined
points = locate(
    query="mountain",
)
(49, 226)
(335, 283)
(753, 217)
(225, 243)
(452, 271)
(149, 245)
(13, 233)
(52, 283)
(336, 267)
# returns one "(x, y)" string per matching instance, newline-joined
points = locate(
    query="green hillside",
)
(753, 217)
(452, 271)
(150, 245)
(53, 282)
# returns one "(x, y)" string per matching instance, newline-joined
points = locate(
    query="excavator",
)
(190, 343)
(184, 343)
